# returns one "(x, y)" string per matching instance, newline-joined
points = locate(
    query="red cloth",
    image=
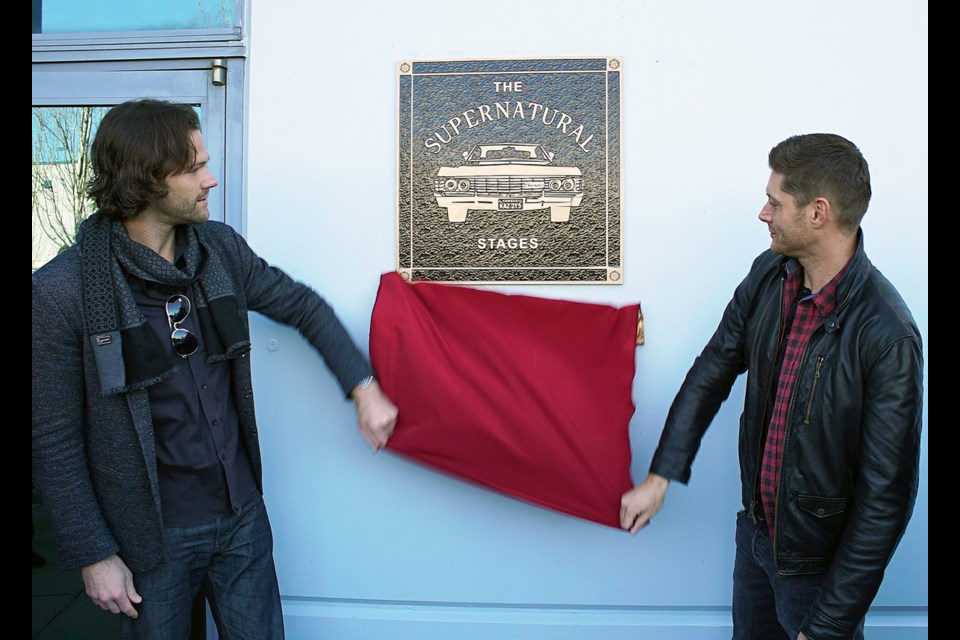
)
(528, 396)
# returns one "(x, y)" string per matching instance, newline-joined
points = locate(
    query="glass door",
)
(68, 104)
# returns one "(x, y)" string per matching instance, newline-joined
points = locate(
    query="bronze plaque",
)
(509, 171)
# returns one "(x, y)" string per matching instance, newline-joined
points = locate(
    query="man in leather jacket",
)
(829, 439)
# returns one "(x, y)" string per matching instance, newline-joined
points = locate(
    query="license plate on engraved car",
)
(511, 204)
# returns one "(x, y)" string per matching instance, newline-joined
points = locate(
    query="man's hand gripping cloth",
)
(529, 396)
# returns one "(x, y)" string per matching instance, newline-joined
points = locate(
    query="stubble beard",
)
(179, 210)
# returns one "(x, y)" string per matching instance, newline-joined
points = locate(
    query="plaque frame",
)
(509, 171)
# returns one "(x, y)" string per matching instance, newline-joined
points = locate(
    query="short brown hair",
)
(825, 164)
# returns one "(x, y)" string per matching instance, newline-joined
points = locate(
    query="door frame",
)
(188, 81)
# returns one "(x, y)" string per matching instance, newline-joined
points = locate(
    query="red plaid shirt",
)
(803, 315)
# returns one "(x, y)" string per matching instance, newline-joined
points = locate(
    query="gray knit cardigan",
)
(94, 458)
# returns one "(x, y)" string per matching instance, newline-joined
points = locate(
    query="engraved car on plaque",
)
(506, 178)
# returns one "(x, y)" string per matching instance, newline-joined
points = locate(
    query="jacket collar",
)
(850, 282)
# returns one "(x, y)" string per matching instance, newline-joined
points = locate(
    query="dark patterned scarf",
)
(129, 354)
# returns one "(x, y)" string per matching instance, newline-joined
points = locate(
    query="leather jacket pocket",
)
(811, 535)
(821, 507)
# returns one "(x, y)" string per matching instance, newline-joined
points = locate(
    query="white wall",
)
(374, 547)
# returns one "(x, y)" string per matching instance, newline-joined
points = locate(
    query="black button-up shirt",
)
(203, 468)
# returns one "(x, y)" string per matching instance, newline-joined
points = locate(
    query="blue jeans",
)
(232, 558)
(766, 605)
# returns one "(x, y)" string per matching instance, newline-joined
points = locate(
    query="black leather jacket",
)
(851, 456)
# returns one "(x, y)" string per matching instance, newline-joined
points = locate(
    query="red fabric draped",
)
(528, 396)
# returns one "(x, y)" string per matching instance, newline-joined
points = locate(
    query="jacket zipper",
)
(754, 504)
(839, 308)
(813, 389)
(786, 431)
